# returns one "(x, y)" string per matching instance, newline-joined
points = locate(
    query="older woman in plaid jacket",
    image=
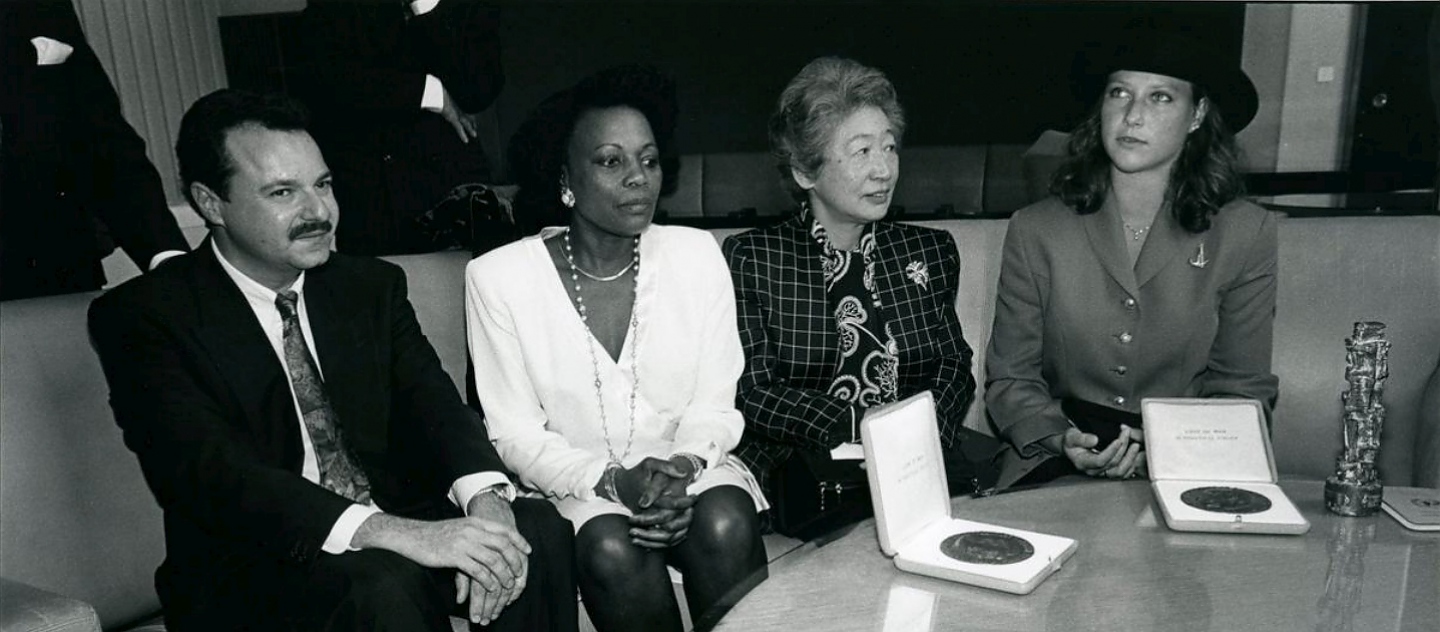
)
(841, 311)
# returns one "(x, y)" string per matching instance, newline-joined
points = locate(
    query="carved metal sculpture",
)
(1355, 489)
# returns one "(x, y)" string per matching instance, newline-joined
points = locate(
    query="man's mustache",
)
(311, 228)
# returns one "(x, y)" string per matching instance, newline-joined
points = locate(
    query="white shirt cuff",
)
(344, 530)
(467, 486)
(421, 7)
(49, 52)
(158, 259)
(434, 97)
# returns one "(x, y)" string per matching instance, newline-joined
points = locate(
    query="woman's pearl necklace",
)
(575, 273)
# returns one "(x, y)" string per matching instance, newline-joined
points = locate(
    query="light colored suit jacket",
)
(1193, 318)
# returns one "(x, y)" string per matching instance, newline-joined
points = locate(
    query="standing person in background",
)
(397, 89)
(74, 177)
(1146, 274)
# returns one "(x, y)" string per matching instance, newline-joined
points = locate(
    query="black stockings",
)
(626, 587)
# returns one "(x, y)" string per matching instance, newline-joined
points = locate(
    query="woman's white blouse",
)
(536, 380)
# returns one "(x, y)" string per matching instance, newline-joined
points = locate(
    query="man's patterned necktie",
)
(339, 471)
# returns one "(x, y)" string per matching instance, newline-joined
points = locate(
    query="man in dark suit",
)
(74, 178)
(304, 490)
(400, 85)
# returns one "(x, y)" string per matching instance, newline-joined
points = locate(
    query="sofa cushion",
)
(78, 519)
(28, 609)
(437, 291)
(980, 242)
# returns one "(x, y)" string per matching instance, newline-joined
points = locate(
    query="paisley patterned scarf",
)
(869, 357)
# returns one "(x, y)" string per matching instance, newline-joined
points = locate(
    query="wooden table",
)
(1130, 572)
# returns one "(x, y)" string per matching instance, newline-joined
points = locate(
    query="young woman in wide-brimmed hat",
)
(1146, 274)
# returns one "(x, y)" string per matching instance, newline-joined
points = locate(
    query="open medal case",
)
(912, 510)
(1212, 468)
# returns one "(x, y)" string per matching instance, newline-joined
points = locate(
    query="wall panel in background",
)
(161, 55)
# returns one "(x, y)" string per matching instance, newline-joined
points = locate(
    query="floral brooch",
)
(919, 273)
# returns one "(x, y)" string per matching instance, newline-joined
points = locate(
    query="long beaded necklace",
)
(575, 273)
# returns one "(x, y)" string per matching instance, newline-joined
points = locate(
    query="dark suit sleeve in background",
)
(369, 56)
(70, 158)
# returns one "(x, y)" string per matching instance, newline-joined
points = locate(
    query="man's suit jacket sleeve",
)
(176, 417)
(459, 42)
(125, 191)
(367, 56)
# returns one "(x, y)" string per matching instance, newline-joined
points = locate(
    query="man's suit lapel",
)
(242, 355)
(341, 355)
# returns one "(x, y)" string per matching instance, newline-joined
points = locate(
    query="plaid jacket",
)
(792, 349)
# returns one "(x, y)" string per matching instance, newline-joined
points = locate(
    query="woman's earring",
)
(567, 197)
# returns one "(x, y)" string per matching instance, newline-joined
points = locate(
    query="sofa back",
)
(78, 519)
(1335, 271)
(77, 516)
(1332, 272)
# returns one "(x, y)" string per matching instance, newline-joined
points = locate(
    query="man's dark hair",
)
(201, 145)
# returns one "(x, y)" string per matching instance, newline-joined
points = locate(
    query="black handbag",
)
(1102, 421)
(472, 217)
(815, 495)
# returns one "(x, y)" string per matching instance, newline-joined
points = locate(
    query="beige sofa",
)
(80, 535)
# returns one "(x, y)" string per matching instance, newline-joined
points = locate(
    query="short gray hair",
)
(814, 104)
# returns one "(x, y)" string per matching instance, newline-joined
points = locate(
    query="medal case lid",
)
(906, 472)
(1207, 440)
(906, 469)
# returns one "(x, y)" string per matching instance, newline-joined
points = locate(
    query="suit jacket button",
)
(1129, 302)
(1119, 400)
(1120, 370)
(1125, 338)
